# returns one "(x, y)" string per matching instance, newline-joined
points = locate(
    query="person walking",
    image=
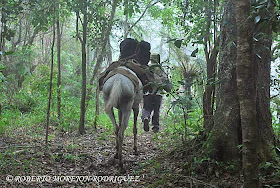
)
(152, 94)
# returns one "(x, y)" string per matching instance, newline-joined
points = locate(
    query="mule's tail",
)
(115, 95)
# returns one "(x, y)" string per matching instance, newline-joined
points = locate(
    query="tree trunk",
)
(226, 133)
(109, 52)
(209, 94)
(262, 58)
(2, 33)
(103, 48)
(246, 89)
(58, 69)
(88, 60)
(126, 27)
(96, 106)
(84, 74)
(51, 79)
(211, 61)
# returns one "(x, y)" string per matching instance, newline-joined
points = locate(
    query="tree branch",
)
(103, 48)
(77, 27)
(142, 15)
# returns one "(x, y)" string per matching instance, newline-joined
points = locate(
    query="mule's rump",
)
(120, 89)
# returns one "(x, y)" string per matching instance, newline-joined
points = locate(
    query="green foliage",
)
(131, 7)
(10, 10)
(270, 170)
(24, 102)
(98, 13)
(104, 121)
(42, 15)
(275, 110)
(176, 124)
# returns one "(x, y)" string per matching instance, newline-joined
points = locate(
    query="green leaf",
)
(194, 52)
(8, 53)
(125, 11)
(178, 43)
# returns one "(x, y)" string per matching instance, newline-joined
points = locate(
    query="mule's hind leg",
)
(116, 130)
(126, 110)
(116, 156)
(135, 116)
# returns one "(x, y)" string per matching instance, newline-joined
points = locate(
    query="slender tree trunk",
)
(88, 60)
(1, 38)
(211, 61)
(209, 94)
(51, 78)
(84, 74)
(246, 89)
(127, 30)
(96, 106)
(109, 52)
(226, 133)
(126, 27)
(105, 41)
(1, 33)
(58, 68)
(103, 48)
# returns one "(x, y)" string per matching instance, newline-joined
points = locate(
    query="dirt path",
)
(85, 161)
(71, 155)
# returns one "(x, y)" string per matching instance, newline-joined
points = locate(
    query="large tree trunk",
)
(84, 73)
(226, 133)
(262, 58)
(246, 89)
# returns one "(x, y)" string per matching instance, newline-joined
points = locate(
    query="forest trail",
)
(161, 162)
(70, 154)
